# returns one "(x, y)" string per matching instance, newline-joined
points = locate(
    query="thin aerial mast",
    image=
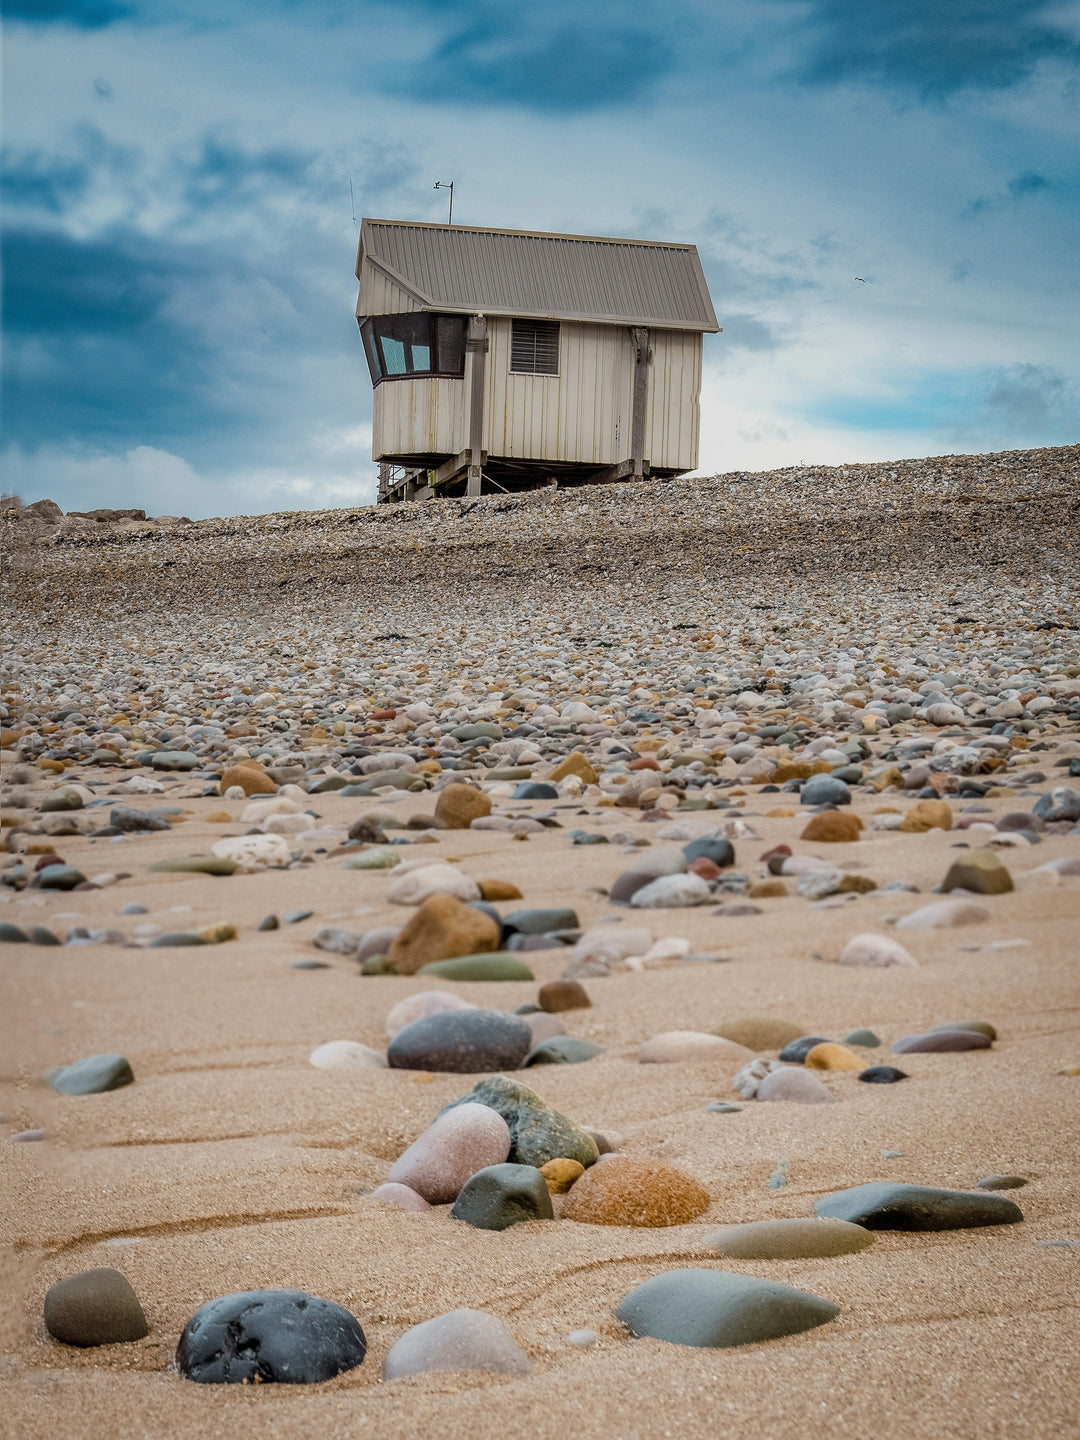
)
(447, 185)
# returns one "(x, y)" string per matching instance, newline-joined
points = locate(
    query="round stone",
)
(832, 1057)
(559, 1175)
(457, 1144)
(796, 1051)
(427, 1002)
(466, 1042)
(559, 995)
(877, 952)
(462, 1340)
(626, 1191)
(282, 1336)
(403, 1197)
(675, 1046)
(866, 1038)
(885, 1206)
(95, 1307)
(93, 1075)
(824, 790)
(346, 1055)
(759, 1033)
(882, 1075)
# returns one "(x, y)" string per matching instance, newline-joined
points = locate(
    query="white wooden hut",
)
(507, 359)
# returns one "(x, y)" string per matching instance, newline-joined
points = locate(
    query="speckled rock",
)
(927, 815)
(250, 777)
(283, 1336)
(416, 886)
(538, 1132)
(459, 805)
(625, 1191)
(442, 928)
(833, 827)
(558, 995)
(559, 1175)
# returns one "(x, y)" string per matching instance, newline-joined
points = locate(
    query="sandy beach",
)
(232, 1163)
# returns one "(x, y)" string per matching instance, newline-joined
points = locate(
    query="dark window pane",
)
(450, 333)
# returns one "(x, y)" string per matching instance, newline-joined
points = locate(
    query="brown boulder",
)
(499, 890)
(834, 826)
(767, 889)
(981, 872)
(442, 928)
(559, 1175)
(558, 995)
(625, 1191)
(759, 1033)
(250, 776)
(927, 815)
(459, 805)
(574, 764)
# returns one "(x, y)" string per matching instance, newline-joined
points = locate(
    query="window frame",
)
(535, 325)
(429, 321)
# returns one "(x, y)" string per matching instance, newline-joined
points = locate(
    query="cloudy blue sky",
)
(179, 246)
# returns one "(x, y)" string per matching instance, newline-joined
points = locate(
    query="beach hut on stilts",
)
(506, 360)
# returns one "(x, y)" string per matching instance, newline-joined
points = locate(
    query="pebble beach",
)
(596, 962)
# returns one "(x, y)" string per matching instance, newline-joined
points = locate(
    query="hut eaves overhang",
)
(466, 269)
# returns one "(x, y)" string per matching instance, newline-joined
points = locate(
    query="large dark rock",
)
(269, 1335)
(718, 1309)
(95, 1307)
(467, 1042)
(503, 1195)
(538, 1133)
(93, 1075)
(1062, 803)
(883, 1205)
(534, 790)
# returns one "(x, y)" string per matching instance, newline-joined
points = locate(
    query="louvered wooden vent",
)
(534, 347)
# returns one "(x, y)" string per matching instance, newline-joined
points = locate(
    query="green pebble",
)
(195, 864)
(499, 966)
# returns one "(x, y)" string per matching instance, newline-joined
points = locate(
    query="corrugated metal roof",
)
(557, 277)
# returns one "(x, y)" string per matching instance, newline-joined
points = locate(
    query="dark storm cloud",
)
(934, 47)
(1030, 398)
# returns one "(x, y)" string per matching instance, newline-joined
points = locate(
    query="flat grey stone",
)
(790, 1239)
(718, 1309)
(563, 1050)
(461, 1340)
(503, 1195)
(882, 1205)
(93, 1075)
(285, 1336)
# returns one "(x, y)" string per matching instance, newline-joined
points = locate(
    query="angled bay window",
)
(405, 347)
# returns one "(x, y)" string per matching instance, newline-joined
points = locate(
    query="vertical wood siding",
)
(673, 409)
(419, 417)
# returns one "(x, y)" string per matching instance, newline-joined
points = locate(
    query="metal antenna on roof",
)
(352, 203)
(447, 185)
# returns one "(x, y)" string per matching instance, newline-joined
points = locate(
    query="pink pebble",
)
(458, 1144)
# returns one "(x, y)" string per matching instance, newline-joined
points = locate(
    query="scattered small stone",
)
(722, 1107)
(678, 1046)
(877, 952)
(1002, 1182)
(538, 1132)
(829, 1056)
(882, 1075)
(944, 915)
(457, 1144)
(940, 1042)
(796, 1051)
(793, 1083)
(559, 1175)
(865, 1038)
(557, 996)
(268, 922)
(427, 1002)
(758, 1033)
(490, 967)
(400, 1196)
(346, 1055)
(980, 872)
(464, 1042)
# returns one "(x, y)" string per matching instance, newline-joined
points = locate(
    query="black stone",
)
(58, 877)
(282, 1336)
(882, 1075)
(466, 1042)
(885, 1206)
(12, 935)
(720, 852)
(796, 1051)
(501, 1196)
(268, 922)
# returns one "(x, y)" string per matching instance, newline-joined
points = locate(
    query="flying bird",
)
(860, 279)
